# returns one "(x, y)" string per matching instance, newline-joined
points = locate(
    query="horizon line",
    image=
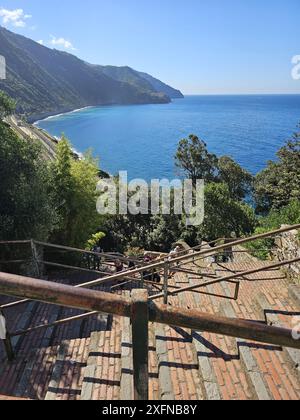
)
(242, 94)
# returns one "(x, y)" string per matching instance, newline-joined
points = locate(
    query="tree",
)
(74, 186)
(194, 159)
(26, 205)
(288, 215)
(166, 231)
(7, 105)
(196, 162)
(239, 181)
(126, 231)
(224, 216)
(279, 183)
(95, 240)
(142, 231)
(63, 188)
(85, 219)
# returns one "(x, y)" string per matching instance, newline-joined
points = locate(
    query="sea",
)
(143, 139)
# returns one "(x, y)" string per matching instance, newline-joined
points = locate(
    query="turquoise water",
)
(143, 139)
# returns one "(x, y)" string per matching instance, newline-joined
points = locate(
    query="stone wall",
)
(288, 248)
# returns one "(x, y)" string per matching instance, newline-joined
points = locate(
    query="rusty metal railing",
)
(163, 266)
(167, 289)
(230, 277)
(166, 266)
(143, 308)
(141, 311)
(105, 257)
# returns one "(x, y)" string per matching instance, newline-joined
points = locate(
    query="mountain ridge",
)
(140, 79)
(47, 82)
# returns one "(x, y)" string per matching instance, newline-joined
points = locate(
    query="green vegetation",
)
(95, 240)
(7, 105)
(224, 215)
(238, 180)
(194, 159)
(45, 201)
(225, 211)
(277, 194)
(227, 185)
(74, 183)
(156, 233)
(287, 215)
(279, 183)
(26, 205)
(196, 162)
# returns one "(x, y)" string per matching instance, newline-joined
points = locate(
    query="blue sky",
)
(199, 46)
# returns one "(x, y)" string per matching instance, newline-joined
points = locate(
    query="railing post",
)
(9, 348)
(35, 258)
(140, 341)
(166, 283)
(142, 280)
(4, 335)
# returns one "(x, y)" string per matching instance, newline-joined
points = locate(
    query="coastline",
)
(35, 121)
(36, 118)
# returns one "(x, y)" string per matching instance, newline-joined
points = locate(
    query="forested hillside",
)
(44, 81)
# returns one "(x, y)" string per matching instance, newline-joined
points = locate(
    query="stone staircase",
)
(91, 359)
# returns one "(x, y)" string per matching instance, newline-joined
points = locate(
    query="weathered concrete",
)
(126, 392)
(165, 381)
(251, 367)
(57, 372)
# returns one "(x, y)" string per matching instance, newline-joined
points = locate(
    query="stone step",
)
(275, 366)
(208, 378)
(294, 293)
(53, 388)
(90, 371)
(31, 350)
(25, 321)
(178, 364)
(272, 318)
(252, 370)
(54, 311)
(67, 375)
(127, 386)
(126, 391)
(164, 370)
(103, 367)
(92, 359)
(221, 370)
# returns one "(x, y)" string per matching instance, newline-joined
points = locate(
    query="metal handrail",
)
(91, 300)
(206, 253)
(176, 290)
(242, 274)
(108, 256)
(15, 242)
(161, 265)
(53, 324)
(99, 302)
(141, 311)
(86, 252)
